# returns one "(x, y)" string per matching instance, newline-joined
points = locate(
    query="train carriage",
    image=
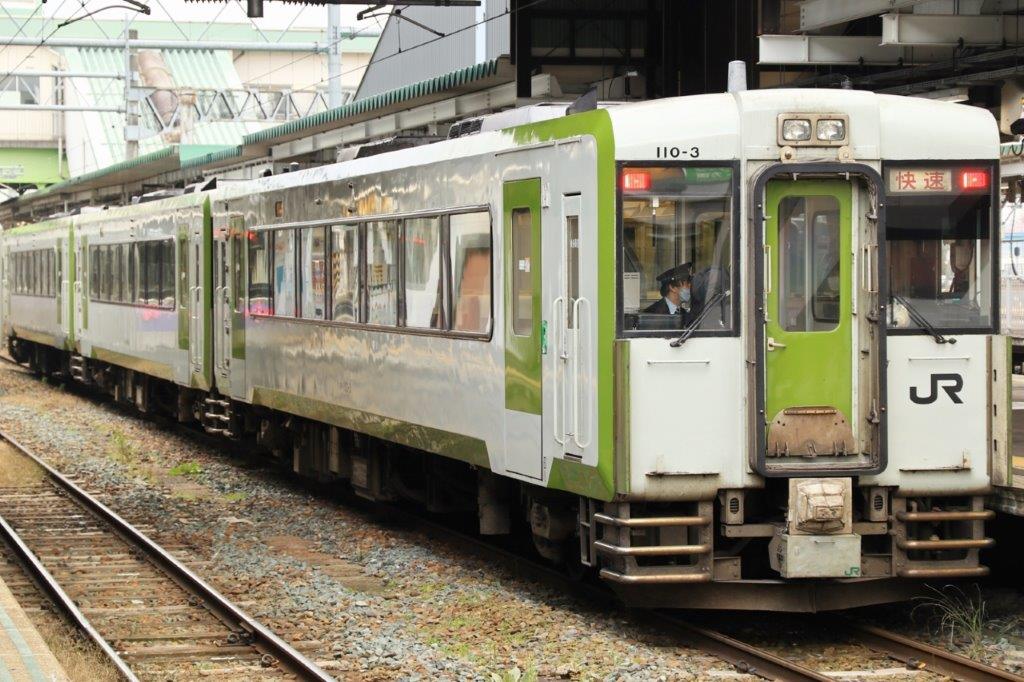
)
(35, 302)
(734, 350)
(142, 299)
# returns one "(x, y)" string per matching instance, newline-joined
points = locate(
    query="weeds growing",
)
(959, 615)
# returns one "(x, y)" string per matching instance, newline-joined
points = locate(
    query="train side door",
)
(810, 412)
(60, 278)
(196, 340)
(569, 337)
(525, 331)
(80, 287)
(222, 311)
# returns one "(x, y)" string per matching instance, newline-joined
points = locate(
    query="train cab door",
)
(569, 340)
(810, 380)
(525, 330)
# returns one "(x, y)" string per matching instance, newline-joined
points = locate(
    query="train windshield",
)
(677, 248)
(940, 254)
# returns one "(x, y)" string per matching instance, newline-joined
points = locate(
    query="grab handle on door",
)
(557, 312)
(767, 268)
(773, 344)
(580, 326)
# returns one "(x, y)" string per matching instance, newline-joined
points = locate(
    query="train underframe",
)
(739, 551)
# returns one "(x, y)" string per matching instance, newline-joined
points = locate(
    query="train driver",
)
(675, 292)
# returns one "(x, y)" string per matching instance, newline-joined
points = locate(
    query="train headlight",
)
(796, 130)
(831, 129)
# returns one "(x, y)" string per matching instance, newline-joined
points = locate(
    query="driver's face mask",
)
(684, 294)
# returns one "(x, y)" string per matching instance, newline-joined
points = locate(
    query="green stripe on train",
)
(457, 446)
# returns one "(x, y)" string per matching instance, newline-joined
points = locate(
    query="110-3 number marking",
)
(677, 152)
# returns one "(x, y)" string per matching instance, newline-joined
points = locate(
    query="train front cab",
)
(874, 377)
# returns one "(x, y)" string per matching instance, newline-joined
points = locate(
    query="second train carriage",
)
(813, 425)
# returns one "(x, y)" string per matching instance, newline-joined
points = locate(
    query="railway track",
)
(152, 616)
(744, 656)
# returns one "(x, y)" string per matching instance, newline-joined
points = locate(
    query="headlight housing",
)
(796, 129)
(817, 129)
(831, 129)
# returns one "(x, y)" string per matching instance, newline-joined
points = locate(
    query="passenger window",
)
(106, 283)
(382, 272)
(809, 263)
(259, 274)
(59, 271)
(314, 273)
(37, 279)
(117, 278)
(423, 274)
(133, 272)
(94, 272)
(470, 244)
(284, 273)
(522, 277)
(345, 273)
(167, 273)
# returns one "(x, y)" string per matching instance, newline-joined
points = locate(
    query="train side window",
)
(522, 278)
(182, 277)
(117, 278)
(37, 279)
(423, 267)
(284, 273)
(346, 278)
(106, 273)
(133, 272)
(260, 301)
(470, 253)
(313, 279)
(382, 272)
(167, 273)
(94, 272)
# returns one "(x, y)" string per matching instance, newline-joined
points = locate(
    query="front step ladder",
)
(218, 416)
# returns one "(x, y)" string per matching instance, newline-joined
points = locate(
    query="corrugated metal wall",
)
(395, 65)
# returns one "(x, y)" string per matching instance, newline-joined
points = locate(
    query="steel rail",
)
(262, 639)
(48, 584)
(925, 656)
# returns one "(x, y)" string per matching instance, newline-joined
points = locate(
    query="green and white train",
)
(479, 324)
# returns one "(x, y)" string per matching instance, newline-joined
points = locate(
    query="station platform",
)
(24, 656)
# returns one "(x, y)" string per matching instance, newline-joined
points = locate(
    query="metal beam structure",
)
(951, 29)
(818, 14)
(57, 107)
(63, 74)
(146, 44)
(863, 50)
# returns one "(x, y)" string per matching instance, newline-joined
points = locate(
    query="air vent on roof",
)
(467, 127)
(157, 195)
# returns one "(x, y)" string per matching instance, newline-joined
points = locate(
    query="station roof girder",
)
(818, 14)
(951, 29)
(864, 50)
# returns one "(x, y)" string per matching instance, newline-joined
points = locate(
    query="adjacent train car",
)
(36, 300)
(729, 351)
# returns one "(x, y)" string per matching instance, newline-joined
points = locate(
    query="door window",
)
(522, 279)
(809, 271)
(572, 266)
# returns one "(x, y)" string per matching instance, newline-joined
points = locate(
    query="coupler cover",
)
(815, 556)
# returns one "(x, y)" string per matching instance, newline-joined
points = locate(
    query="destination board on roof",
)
(920, 180)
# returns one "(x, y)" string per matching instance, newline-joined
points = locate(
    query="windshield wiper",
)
(918, 317)
(693, 326)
